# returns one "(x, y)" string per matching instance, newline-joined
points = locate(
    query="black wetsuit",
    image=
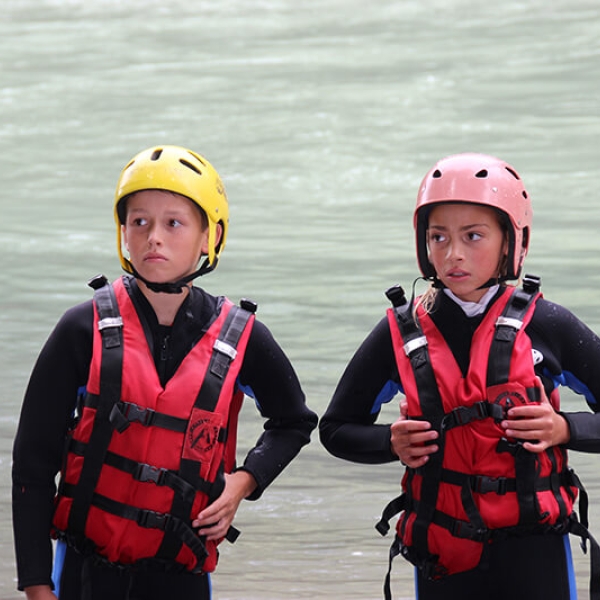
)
(60, 373)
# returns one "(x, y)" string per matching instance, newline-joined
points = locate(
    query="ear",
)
(124, 237)
(219, 234)
(206, 241)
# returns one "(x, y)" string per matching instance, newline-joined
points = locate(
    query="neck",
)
(165, 306)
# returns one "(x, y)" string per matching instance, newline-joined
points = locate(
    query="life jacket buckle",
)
(466, 531)
(151, 519)
(484, 485)
(133, 412)
(149, 473)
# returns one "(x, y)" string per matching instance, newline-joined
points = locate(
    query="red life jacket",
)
(143, 460)
(479, 484)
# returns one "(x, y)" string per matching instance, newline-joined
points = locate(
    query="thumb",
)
(404, 408)
(540, 386)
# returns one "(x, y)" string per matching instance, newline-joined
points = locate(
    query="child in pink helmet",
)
(487, 497)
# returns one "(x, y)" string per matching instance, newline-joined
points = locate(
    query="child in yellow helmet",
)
(134, 399)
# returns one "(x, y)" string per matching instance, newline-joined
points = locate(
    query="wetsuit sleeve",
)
(571, 354)
(60, 370)
(268, 376)
(348, 429)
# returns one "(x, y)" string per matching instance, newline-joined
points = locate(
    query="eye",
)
(474, 236)
(138, 221)
(436, 237)
(174, 223)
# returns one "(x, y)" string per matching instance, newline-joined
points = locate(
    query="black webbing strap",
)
(110, 325)
(169, 524)
(415, 347)
(507, 327)
(462, 415)
(580, 530)
(147, 473)
(393, 508)
(125, 413)
(555, 481)
(224, 352)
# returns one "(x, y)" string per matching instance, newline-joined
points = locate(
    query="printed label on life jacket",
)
(202, 435)
(508, 395)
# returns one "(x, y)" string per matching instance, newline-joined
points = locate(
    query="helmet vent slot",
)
(482, 174)
(437, 174)
(156, 154)
(189, 165)
(513, 173)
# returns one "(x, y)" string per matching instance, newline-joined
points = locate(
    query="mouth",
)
(154, 257)
(457, 274)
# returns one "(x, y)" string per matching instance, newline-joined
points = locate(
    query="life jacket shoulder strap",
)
(508, 325)
(224, 352)
(110, 325)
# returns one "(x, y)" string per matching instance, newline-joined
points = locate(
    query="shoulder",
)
(555, 322)
(550, 314)
(77, 320)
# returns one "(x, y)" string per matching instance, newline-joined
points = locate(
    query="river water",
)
(321, 116)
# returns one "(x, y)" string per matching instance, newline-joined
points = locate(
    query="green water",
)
(322, 117)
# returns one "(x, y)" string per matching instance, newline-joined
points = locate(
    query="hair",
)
(427, 300)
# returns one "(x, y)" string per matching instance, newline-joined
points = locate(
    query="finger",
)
(410, 426)
(403, 409)
(207, 517)
(422, 439)
(535, 447)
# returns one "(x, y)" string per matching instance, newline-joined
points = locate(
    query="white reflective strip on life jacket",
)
(413, 345)
(514, 323)
(110, 322)
(225, 348)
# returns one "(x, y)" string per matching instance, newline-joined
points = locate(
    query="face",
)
(467, 246)
(164, 235)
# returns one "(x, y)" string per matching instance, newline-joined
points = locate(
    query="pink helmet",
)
(476, 179)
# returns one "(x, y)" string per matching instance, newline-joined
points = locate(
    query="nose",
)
(454, 250)
(154, 237)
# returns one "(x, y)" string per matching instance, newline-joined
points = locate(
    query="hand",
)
(215, 519)
(538, 423)
(39, 592)
(409, 439)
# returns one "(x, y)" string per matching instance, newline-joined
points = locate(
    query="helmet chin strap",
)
(175, 287)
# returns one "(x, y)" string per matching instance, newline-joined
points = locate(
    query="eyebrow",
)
(471, 226)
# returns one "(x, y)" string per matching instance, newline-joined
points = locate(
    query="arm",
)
(268, 376)
(571, 356)
(38, 448)
(348, 429)
(40, 592)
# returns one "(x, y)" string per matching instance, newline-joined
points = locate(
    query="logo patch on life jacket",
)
(202, 435)
(508, 395)
(508, 399)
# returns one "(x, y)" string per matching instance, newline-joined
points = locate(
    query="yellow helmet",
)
(179, 170)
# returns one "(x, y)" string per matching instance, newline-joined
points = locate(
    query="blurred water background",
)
(322, 117)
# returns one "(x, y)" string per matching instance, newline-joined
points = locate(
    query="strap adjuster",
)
(485, 485)
(503, 321)
(133, 412)
(151, 519)
(109, 322)
(415, 344)
(225, 348)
